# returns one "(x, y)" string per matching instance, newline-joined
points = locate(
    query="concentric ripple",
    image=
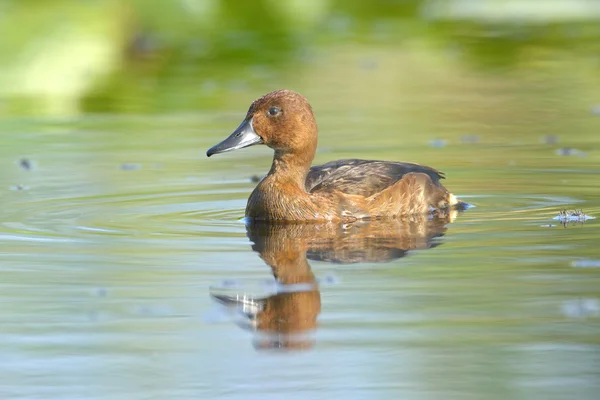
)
(151, 214)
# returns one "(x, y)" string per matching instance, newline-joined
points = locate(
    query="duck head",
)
(282, 120)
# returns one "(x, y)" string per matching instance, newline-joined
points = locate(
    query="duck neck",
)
(291, 167)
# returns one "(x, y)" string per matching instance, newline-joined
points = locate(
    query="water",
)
(127, 272)
(123, 233)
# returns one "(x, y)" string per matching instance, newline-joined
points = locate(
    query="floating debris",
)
(19, 187)
(549, 139)
(438, 143)
(572, 214)
(329, 279)
(25, 164)
(565, 216)
(586, 264)
(569, 151)
(130, 167)
(101, 292)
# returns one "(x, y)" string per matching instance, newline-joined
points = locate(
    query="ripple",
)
(174, 213)
(213, 210)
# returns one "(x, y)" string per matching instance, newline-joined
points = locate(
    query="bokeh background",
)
(149, 56)
(114, 224)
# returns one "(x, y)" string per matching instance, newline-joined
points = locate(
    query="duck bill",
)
(243, 136)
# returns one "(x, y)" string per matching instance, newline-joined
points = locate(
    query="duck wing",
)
(363, 177)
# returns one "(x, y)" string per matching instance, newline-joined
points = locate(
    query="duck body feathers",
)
(363, 177)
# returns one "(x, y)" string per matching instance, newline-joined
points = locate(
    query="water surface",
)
(118, 237)
(126, 270)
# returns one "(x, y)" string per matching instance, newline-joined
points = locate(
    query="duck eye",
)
(274, 111)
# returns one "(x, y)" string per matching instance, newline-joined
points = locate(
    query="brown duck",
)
(343, 190)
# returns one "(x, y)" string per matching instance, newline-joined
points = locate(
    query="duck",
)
(340, 191)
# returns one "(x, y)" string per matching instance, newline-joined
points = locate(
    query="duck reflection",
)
(287, 318)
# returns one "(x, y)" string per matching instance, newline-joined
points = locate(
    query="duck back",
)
(364, 177)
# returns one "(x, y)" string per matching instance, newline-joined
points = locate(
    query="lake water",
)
(127, 272)
(121, 242)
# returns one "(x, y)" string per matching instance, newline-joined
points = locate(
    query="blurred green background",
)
(67, 57)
